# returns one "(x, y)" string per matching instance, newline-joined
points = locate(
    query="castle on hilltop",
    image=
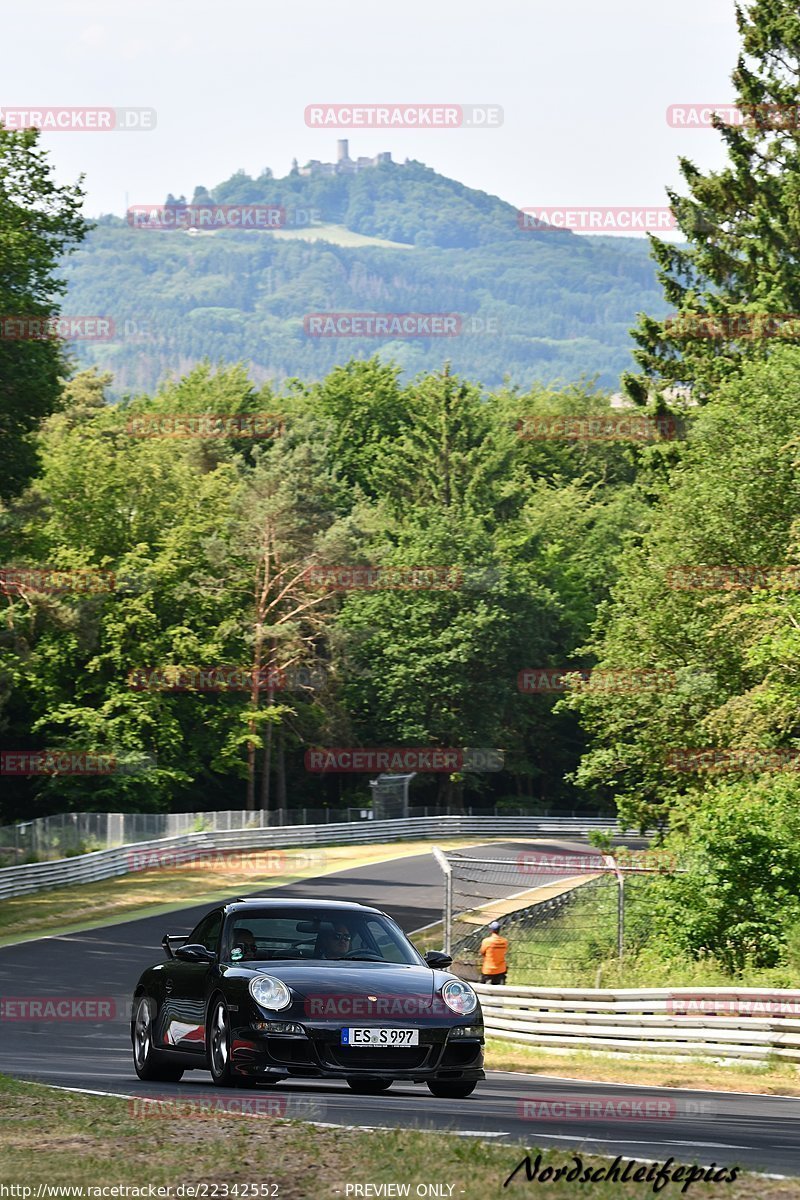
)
(344, 165)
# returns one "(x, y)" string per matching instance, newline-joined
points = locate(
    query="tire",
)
(147, 1062)
(451, 1091)
(218, 1042)
(369, 1087)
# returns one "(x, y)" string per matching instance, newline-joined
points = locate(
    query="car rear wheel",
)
(369, 1087)
(451, 1091)
(147, 1061)
(218, 1040)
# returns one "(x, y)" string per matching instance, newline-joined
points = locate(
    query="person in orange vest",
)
(494, 948)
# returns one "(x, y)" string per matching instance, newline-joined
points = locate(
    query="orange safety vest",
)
(493, 953)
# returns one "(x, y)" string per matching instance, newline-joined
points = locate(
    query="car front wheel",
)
(451, 1091)
(147, 1061)
(369, 1087)
(218, 1040)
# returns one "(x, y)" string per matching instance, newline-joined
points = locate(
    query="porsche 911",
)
(264, 989)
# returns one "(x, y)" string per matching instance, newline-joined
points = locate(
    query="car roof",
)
(244, 902)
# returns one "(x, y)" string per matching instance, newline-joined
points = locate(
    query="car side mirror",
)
(437, 960)
(195, 953)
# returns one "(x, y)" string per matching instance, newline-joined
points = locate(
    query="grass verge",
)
(777, 1078)
(90, 1141)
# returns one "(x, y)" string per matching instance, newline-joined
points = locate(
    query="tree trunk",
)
(255, 694)
(280, 769)
(266, 771)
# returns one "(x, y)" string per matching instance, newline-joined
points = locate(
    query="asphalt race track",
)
(758, 1132)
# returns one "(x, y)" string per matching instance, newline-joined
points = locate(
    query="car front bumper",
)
(320, 1054)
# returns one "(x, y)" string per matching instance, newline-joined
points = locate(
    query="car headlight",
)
(460, 997)
(466, 1031)
(270, 992)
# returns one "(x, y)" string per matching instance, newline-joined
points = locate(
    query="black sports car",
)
(263, 989)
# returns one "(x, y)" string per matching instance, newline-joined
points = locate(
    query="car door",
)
(185, 990)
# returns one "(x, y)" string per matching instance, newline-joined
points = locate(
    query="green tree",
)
(361, 406)
(742, 224)
(727, 646)
(736, 896)
(286, 520)
(39, 222)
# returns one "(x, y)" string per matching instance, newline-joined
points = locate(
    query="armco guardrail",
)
(105, 864)
(69, 833)
(747, 1023)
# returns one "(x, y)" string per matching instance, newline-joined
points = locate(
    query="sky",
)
(584, 88)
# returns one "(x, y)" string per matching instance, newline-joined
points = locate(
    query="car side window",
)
(207, 932)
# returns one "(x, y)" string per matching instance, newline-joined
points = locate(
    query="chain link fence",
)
(67, 834)
(571, 917)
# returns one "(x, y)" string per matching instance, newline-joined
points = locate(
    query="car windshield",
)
(261, 935)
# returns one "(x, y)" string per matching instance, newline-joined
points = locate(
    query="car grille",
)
(456, 1055)
(377, 1058)
(289, 1050)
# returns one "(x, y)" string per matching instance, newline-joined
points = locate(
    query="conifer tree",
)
(742, 226)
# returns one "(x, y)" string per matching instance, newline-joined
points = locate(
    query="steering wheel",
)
(366, 954)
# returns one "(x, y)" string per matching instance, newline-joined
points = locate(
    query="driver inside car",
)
(245, 938)
(334, 943)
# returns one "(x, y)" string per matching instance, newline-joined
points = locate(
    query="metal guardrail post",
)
(611, 861)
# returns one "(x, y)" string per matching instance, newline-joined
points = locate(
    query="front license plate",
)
(380, 1037)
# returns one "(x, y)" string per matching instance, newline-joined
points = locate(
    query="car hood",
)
(359, 979)
(335, 991)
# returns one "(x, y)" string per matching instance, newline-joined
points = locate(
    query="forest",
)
(206, 579)
(534, 306)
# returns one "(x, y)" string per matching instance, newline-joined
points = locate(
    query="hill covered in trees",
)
(535, 306)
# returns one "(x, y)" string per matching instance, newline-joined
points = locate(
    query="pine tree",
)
(742, 225)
